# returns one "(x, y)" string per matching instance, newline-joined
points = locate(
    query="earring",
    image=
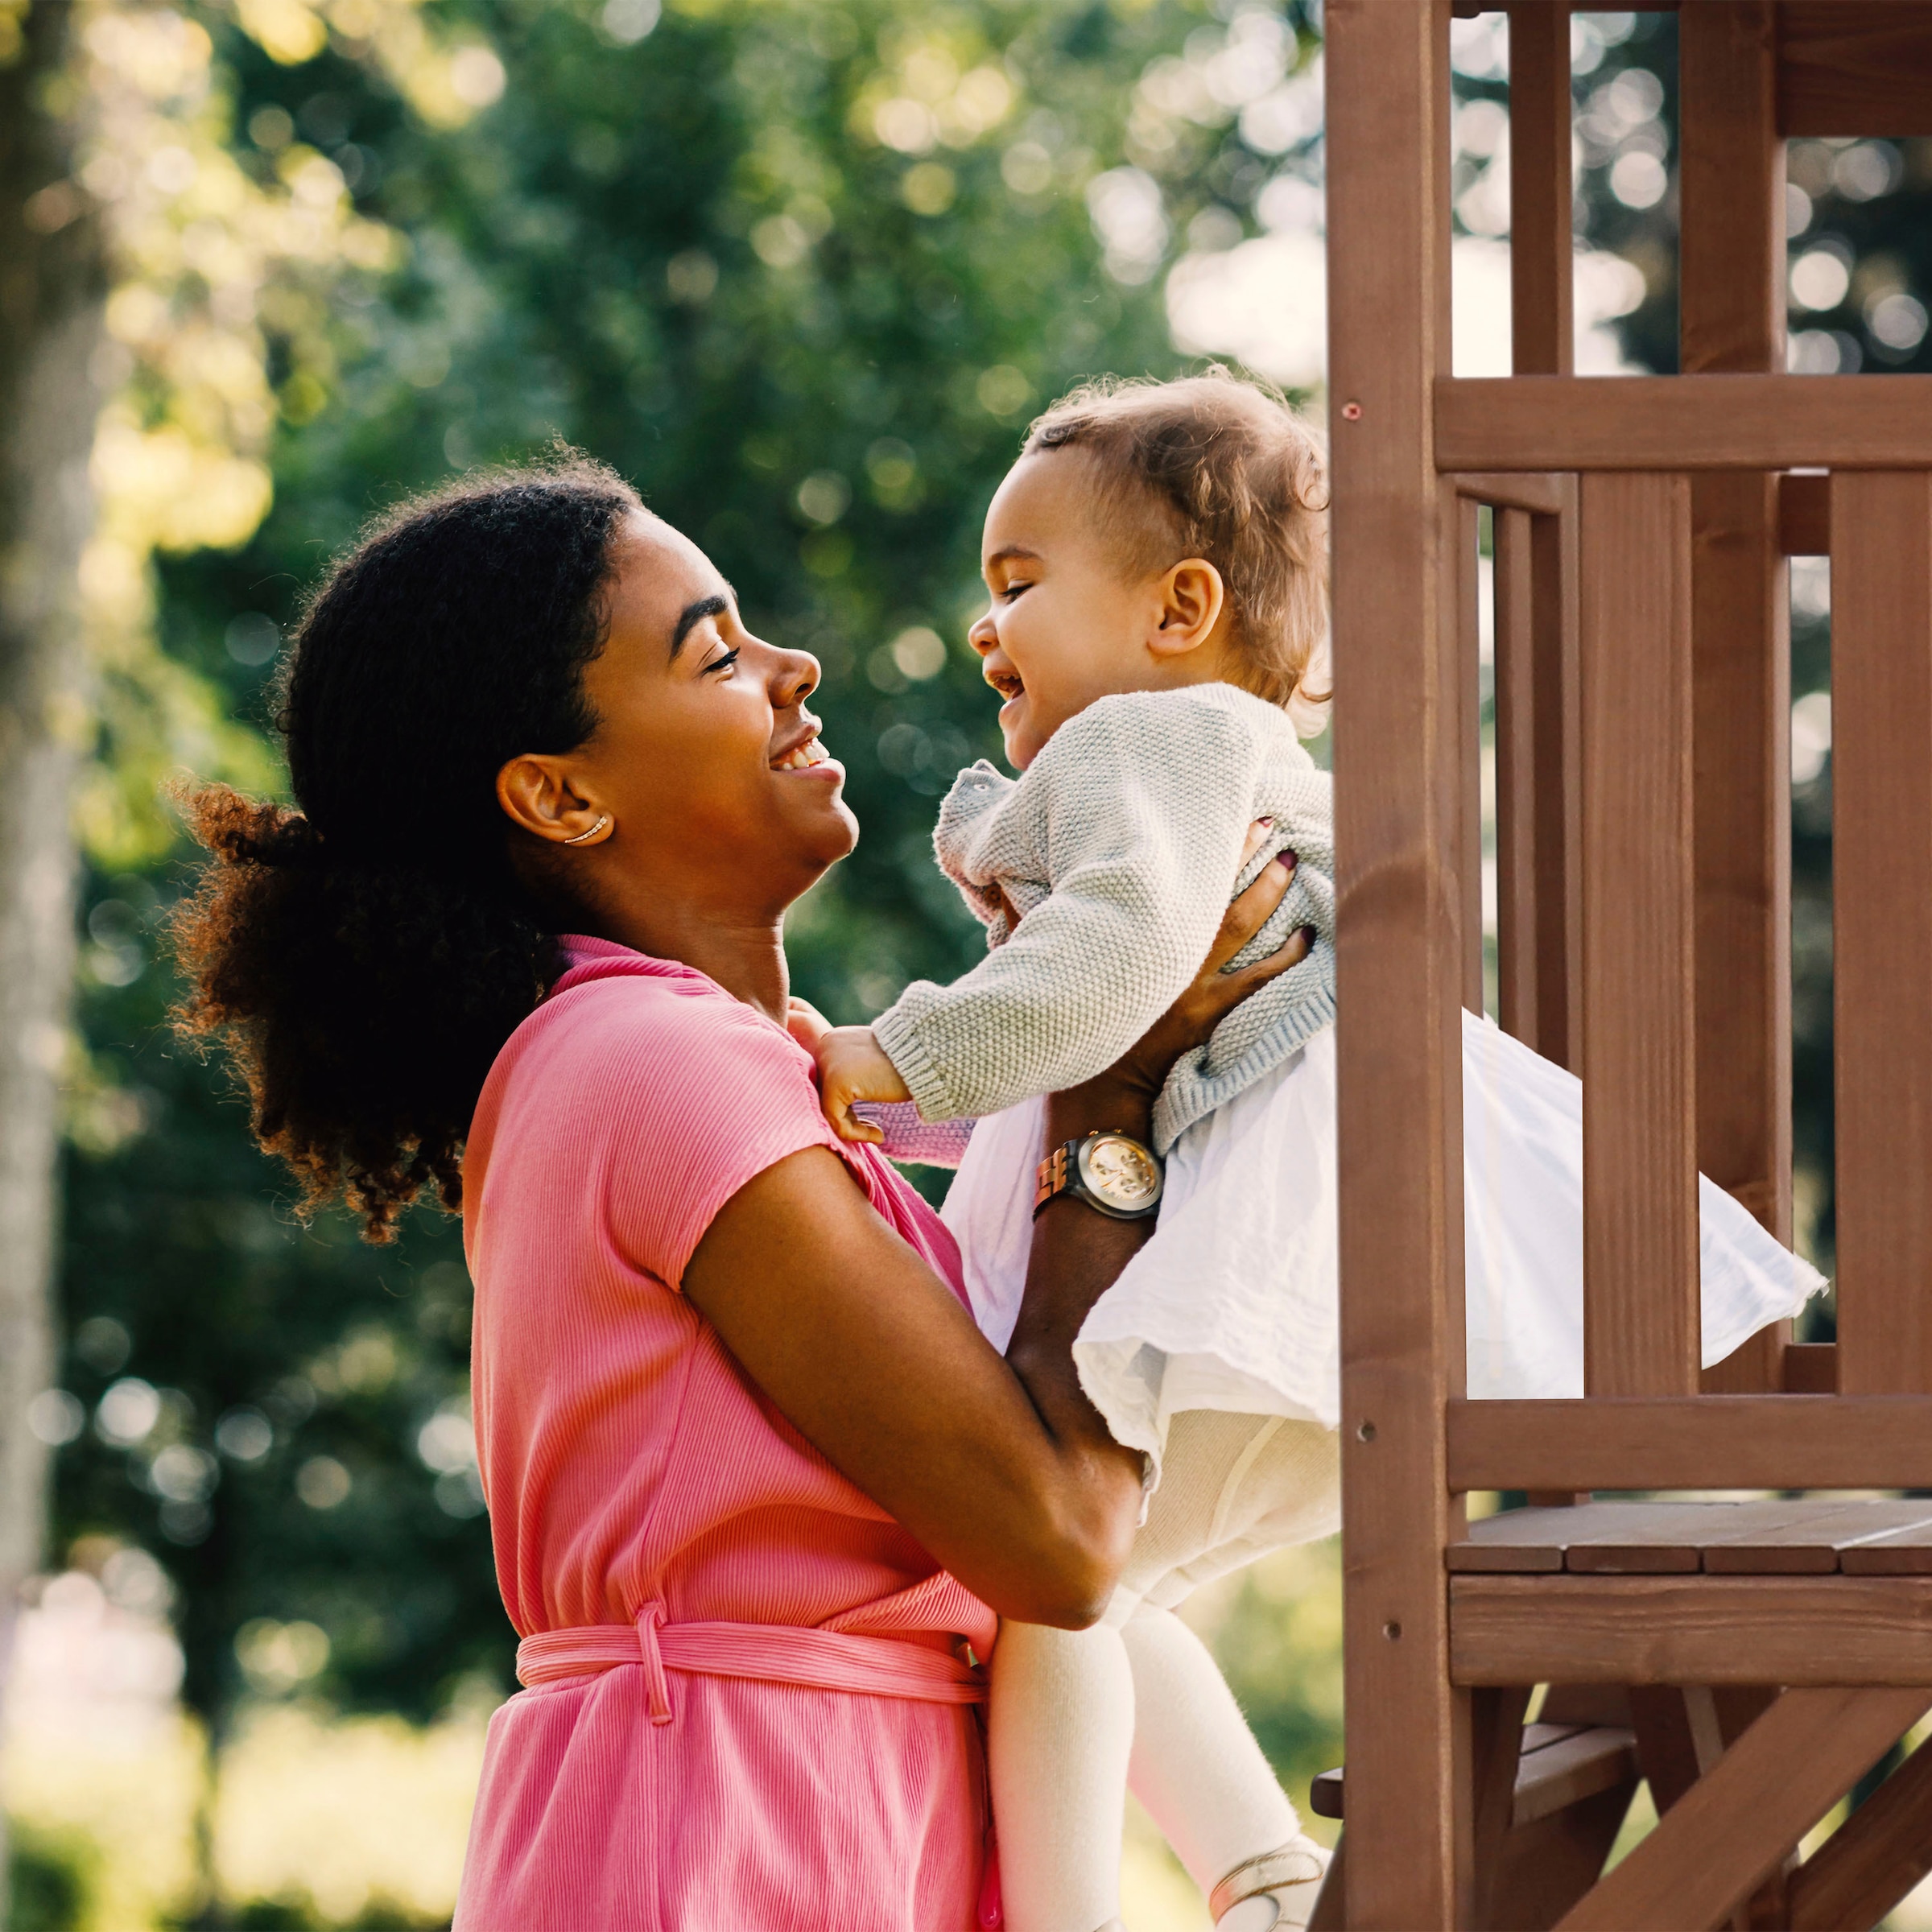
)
(583, 838)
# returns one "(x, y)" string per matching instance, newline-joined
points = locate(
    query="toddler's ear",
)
(1192, 599)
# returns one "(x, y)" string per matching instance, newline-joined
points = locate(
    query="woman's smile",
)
(806, 753)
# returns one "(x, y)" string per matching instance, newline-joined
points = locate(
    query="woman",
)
(759, 1489)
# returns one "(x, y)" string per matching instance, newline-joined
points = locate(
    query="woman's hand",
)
(1214, 994)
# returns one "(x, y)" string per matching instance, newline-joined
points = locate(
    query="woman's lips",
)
(808, 760)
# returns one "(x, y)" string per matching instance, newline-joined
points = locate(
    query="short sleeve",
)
(702, 1095)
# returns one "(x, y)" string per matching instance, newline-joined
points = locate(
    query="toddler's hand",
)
(853, 1066)
(805, 1023)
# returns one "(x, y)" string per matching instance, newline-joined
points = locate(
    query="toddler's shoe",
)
(1274, 1893)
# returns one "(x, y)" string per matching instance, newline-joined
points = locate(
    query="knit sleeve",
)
(1136, 809)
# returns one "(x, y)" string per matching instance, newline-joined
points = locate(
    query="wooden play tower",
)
(1752, 1662)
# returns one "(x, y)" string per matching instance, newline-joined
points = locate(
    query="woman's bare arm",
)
(1001, 1469)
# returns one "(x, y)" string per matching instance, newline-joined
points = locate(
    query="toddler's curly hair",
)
(1214, 467)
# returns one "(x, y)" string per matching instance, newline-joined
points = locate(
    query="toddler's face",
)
(1066, 625)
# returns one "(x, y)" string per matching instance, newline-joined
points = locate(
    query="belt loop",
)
(656, 1688)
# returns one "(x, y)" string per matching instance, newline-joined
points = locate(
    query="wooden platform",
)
(1806, 1535)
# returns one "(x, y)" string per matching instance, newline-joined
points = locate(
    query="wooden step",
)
(1561, 1765)
(1800, 1536)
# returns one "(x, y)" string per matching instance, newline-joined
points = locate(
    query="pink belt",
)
(773, 1654)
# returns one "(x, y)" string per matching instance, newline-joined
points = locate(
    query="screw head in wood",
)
(1365, 1432)
(1352, 412)
(1393, 1631)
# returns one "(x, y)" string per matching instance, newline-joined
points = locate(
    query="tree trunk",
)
(51, 285)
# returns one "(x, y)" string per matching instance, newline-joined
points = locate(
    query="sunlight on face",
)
(1067, 623)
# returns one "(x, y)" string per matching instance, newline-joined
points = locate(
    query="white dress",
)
(1232, 1303)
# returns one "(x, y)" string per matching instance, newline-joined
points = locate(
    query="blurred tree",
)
(803, 271)
(51, 286)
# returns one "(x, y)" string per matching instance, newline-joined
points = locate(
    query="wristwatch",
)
(1112, 1172)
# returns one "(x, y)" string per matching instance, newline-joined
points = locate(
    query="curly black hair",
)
(362, 957)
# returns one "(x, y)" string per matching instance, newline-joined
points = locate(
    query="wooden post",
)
(1399, 814)
(1641, 1301)
(1520, 833)
(1466, 538)
(1542, 268)
(1881, 826)
(1731, 302)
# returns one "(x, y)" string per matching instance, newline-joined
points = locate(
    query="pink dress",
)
(687, 1766)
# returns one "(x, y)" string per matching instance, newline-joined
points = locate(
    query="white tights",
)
(1075, 1715)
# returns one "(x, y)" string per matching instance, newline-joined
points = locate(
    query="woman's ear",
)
(540, 799)
(1192, 598)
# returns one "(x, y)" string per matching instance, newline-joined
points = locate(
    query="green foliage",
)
(692, 252)
(47, 1881)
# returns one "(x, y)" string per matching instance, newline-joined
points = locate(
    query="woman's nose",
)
(795, 677)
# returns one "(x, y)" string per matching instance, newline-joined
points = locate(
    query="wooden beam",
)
(1804, 513)
(1680, 423)
(1542, 245)
(1882, 782)
(1878, 1854)
(1731, 309)
(1541, 496)
(1869, 1630)
(1732, 1829)
(1640, 1309)
(1853, 68)
(1399, 961)
(1730, 1442)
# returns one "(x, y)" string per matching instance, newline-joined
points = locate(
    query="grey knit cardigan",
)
(1119, 848)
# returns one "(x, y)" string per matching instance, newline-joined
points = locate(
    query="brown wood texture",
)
(1811, 1368)
(1640, 1310)
(1732, 318)
(1555, 588)
(1881, 925)
(1680, 423)
(1497, 1741)
(1852, 68)
(1517, 822)
(1904, 1552)
(1464, 536)
(1780, 1535)
(1804, 513)
(1399, 959)
(1542, 496)
(1542, 248)
(1692, 1629)
(1745, 1442)
(1869, 1863)
(1731, 1830)
(1550, 1864)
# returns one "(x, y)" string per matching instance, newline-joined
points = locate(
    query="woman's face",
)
(704, 756)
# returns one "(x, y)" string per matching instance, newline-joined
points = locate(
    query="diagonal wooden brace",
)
(1735, 1825)
(1873, 1859)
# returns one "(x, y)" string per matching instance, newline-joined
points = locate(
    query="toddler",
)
(1157, 566)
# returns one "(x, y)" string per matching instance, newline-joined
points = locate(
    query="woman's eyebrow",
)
(693, 614)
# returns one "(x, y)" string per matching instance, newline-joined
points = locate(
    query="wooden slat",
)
(1692, 1629)
(1905, 1552)
(1741, 1442)
(1648, 1537)
(1811, 1368)
(1398, 960)
(1555, 573)
(1804, 513)
(1516, 794)
(1640, 1311)
(1868, 1864)
(1817, 1537)
(1851, 68)
(1542, 256)
(1465, 536)
(1541, 496)
(1730, 1830)
(1680, 423)
(1775, 1536)
(1881, 925)
(1731, 303)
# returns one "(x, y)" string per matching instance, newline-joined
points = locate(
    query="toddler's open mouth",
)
(1008, 684)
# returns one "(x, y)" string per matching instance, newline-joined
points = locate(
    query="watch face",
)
(1121, 1171)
